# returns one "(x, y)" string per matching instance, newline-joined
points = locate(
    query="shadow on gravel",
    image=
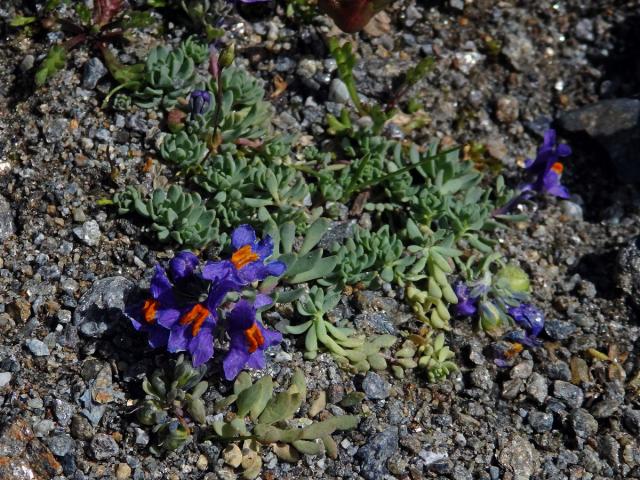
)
(590, 267)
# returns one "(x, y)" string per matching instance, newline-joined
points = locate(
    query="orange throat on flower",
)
(254, 337)
(149, 310)
(243, 256)
(195, 317)
(558, 168)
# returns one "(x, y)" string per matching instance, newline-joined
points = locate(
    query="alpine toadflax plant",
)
(182, 309)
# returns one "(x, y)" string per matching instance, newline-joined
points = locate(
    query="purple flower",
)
(547, 168)
(466, 305)
(199, 102)
(182, 315)
(247, 262)
(160, 305)
(249, 339)
(529, 318)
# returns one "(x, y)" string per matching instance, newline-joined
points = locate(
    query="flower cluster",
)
(182, 310)
(545, 172)
(546, 169)
(500, 300)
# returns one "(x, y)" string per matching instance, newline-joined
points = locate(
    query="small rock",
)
(81, 429)
(102, 305)
(559, 330)
(631, 420)
(338, 92)
(628, 270)
(374, 455)
(88, 233)
(202, 463)
(568, 393)
(584, 30)
(142, 437)
(615, 124)
(481, 378)
(559, 370)
(63, 411)
(571, 209)
(537, 387)
(93, 71)
(375, 387)
(103, 446)
(507, 109)
(541, 421)
(123, 471)
(519, 458)
(60, 445)
(37, 347)
(7, 226)
(5, 378)
(583, 423)
(522, 370)
(232, 455)
(518, 48)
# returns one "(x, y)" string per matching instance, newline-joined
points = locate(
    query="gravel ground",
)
(504, 72)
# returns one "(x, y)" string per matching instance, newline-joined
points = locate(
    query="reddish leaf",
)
(351, 15)
(105, 10)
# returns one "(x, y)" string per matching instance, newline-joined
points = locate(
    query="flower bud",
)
(227, 56)
(513, 278)
(490, 317)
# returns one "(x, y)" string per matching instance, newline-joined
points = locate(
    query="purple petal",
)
(243, 235)
(160, 284)
(563, 150)
(158, 337)
(234, 362)
(183, 265)
(217, 293)
(179, 338)
(201, 346)
(559, 191)
(242, 316)
(215, 271)
(264, 248)
(253, 271)
(271, 337)
(549, 139)
(256, 360)
(277, 268)
(167, 317)
(262, 301)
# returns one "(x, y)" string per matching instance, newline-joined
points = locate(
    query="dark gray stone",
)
(374, 455)
(631, 420)
(628, 274)
(571, 395)
(93, 71)
(37, 347)
(60, 445)
(583, 423)
(541, 421)
(102, 306)
(103, 447)
(7, 226)
(559, 330)
(375, 387)
(615, 124)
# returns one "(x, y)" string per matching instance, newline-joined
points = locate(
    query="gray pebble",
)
(88, 233)
(568, 393)
(37, 347)
(374, 454)
(5, 378)
(338, 92)
(93, 71)
(541, 421)
(60, 445)
(375, 387)
(583, 423)
(103, 447)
